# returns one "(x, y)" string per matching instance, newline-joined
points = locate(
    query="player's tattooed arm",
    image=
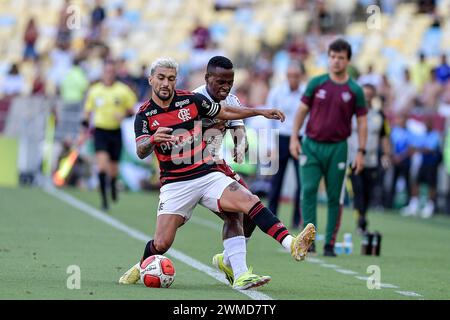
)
(144, 147)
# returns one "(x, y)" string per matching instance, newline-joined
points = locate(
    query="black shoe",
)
(362, 224)
(328, 251)
(105, 206)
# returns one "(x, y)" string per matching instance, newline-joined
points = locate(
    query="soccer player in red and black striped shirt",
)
(169, 124)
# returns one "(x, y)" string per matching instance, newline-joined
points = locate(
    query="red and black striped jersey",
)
(186, 158)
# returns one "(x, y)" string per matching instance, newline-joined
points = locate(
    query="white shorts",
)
(182, 197)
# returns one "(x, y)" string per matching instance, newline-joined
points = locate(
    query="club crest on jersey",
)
(346, 96)
(184, 115)
(321, 94)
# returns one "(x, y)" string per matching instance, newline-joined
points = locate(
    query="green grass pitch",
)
(40, 236)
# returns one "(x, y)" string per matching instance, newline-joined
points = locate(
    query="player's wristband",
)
(152, 140)
(362, 150)
(85, 123)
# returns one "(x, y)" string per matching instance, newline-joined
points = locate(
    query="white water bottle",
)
(348, 243)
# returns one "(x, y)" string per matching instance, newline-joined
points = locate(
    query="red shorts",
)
(229, 172)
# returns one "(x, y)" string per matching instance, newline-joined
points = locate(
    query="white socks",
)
(234, 255)
(286, 243)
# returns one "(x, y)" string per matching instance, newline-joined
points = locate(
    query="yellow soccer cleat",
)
(217, 261)
(249, 280)
(131, 276)
(301, 243)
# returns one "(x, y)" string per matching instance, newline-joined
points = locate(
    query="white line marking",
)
(345, 271)
(382, 285)
(331, 266)
(314, 260)
(178, 255)
(409, 293)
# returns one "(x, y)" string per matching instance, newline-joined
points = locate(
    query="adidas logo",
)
(155, 123)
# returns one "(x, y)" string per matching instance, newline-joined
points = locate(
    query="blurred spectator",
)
(429, 147)
(443, 70)
(385, 92)
(98, 15)
(224, 5)
(365, 182)
(431, 92)
(74, 85)
(404, 95)
(30, 37)
(325, 20)
(420, 72)
(13, 83)
(286, 97)
(298, 49)
(401, 156)
(371, 77)
(444, 107)
(61, 61)
(200, 36)
(300, 5)
(73, 90)
(264, 62)
(64, 34)
(142, 86)
(426, 6)
(122, 73)
(259, 89)
(38, 81)
(117, 26)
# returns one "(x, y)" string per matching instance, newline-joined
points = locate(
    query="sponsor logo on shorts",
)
(341, 165)
(161, 206)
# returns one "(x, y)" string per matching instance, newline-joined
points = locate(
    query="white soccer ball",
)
(157, 272)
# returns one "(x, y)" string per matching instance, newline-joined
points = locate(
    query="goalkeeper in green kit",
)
(331, 100)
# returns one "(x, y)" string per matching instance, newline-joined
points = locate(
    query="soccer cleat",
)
(328, 251)
(131, 276)
(249, 280)
(218, 262)
(301, 243)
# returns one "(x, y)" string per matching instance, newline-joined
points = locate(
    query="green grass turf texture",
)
(40, 236)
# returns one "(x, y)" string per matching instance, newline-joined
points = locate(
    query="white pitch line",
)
(178, 255)
(409, 293)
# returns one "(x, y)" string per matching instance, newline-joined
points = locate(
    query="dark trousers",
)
(363, 185)
(401, 169)
(277, 181)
